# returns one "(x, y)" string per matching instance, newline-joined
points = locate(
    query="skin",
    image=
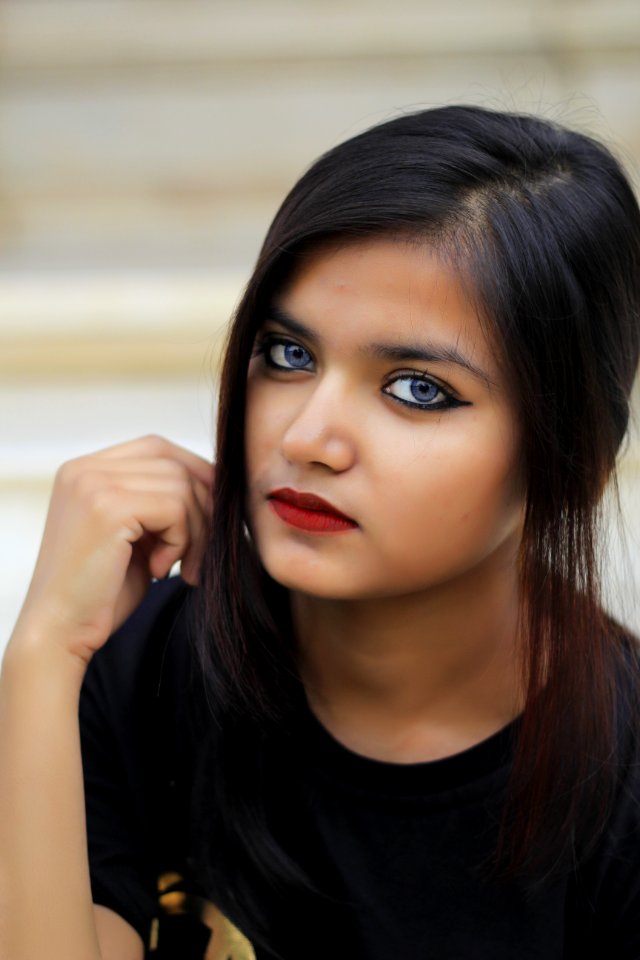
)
(116, 519)
(406, 624)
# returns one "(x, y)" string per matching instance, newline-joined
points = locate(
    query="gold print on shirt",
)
(226, 942)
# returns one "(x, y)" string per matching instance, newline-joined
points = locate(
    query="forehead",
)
(383, 290)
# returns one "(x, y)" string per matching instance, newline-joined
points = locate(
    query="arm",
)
(40, 809)
(117, 939)
(116, 519)
(44, 876)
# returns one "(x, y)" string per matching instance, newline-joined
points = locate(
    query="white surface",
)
(103, 302)
(621, 561)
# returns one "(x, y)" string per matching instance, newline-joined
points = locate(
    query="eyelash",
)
(267, 342)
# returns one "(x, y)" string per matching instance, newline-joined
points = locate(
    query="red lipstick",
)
(308, 512)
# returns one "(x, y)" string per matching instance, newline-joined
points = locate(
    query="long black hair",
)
(543, 227)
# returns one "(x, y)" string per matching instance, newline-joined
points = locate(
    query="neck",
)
(419, 676)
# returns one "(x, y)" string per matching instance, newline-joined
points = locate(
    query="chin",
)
(328, 585)
(311, 584)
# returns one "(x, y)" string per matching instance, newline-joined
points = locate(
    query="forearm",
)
(117, 518)
(45, 896)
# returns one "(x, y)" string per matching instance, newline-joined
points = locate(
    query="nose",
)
(321, 431)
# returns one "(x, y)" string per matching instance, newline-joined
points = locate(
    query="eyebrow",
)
(428, 350)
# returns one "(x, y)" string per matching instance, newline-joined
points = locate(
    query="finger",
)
(198, 505)
(108, 492)
(155, 448)
(80, 482)
(159, 526)
(195, 496)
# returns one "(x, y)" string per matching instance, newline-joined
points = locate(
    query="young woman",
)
(382, 712)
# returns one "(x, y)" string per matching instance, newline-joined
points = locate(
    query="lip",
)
(306, 511)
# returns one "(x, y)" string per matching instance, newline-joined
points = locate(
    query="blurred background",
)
(144, 148)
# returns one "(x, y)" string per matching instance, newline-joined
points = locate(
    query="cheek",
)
(251, 435)
(464, 492)
(259, 424)
(267, 416)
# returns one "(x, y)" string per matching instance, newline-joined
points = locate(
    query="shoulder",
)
(164, 605)
(153, 641)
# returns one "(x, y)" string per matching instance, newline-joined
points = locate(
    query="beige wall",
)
(144, 147)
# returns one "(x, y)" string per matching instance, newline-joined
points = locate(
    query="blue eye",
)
(286, 355)
(420, 393)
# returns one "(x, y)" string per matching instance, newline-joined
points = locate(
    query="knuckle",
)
(66, 472)
(154, 442)
(176, 506)
(179, 477)
(174, 467)
(184, 488)
(75, 480)
(84, 483)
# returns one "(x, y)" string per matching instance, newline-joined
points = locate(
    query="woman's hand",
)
(116, 519)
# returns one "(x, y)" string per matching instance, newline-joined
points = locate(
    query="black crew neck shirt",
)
(400, 852)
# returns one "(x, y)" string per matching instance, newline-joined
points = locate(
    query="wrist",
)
(35, 648)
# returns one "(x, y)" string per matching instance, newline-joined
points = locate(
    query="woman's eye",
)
(286, 355)
(419, 392)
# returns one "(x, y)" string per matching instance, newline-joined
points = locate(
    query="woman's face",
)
(373, 388)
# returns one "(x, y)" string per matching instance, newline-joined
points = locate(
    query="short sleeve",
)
(115, 740)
